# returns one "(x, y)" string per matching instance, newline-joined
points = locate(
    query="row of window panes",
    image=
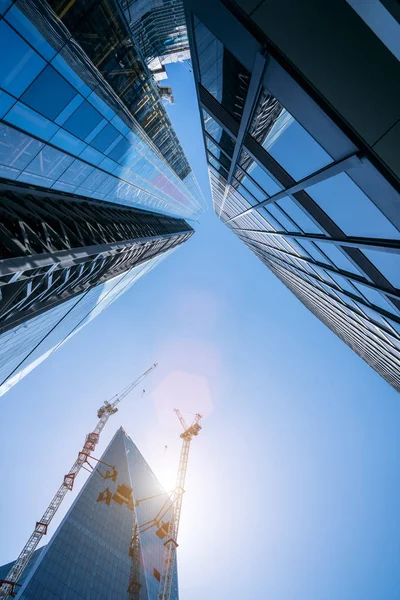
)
(81, 117)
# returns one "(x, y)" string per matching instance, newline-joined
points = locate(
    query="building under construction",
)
(119, 538)
(92, 554)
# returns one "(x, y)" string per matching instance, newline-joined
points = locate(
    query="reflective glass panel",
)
(351, 209)
(120, 149)
(282, 218)
(297, 152)
(250, 185)
(26, 28)
(219, 134)
(19, 67)
(259, 174)
(217, 166)
(83, 120)
(220, 72)
(50, 163)
(298, 215)
(337, 257)
(222, 158)
(269, 120)
(387, 263)
(105, 138)
(17, 149)
(49, 94)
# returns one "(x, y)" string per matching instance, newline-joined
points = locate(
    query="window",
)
(249, 185)
(217, 166)
(105, 110)
(218, 134)
(223, 76)
(49, 94)
(269, 121)
(120, 149)
(68, 142)
(19, 67)
(6, 102)
(23, 25)
(297, 152)
(210, 54)
(387, 263)
(246, 194)
(351, 209)
(298, 215)
(95, 179)
(259, 174)
(16, 148)
(374, 297)
(313, 251)
(282, 218)
(222, 158)
(337, 257)
(83, 120)
(105, 138)
(50, 163)
(25, 118)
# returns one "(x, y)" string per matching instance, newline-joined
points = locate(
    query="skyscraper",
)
(92, 554)
(102, 31)
(95, 187)
(159, 27)
(300, 115)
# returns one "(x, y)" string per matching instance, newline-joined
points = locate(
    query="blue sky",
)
(293, 486)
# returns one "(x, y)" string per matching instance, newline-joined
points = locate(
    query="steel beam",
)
(327, 172)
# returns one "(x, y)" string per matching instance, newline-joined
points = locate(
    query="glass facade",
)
(159, 28)
(62, 125)
(80, 118)
(295, 189)
(102, 31)
(89, 555)
(63, 246)
(27, 345)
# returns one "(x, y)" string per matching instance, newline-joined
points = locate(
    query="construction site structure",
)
(169, 529)
(171, 544)
(8, 586)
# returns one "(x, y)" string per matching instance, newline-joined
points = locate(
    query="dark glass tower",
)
(300, 114)
(102, 31)
(94, 185)
(56, 247)
(91, 555)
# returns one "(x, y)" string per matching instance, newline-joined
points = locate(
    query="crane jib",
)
(8, 585)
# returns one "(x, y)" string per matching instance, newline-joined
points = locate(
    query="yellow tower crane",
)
(171, 506)
(9, 584)
(171, 544)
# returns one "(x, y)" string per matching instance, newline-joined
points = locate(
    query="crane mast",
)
(7, 586)
(171, 544)
(134, 553)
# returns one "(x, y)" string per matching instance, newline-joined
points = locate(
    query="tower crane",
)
(170, 546)
(8, 585)
(173, 503)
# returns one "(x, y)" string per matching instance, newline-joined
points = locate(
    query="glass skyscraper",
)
(159, 27)
(300, 114)
(91, 555)
(94, 188)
